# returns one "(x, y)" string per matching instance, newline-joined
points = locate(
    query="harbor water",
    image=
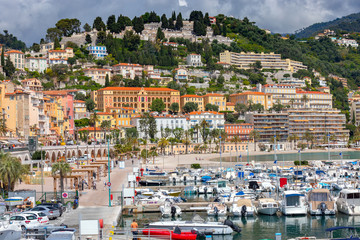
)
(305, 156)
(264, 227)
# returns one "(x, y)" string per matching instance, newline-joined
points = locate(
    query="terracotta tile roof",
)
(90, 129)
(230, 104)
(103, 113)
(248, 93)
(59, 92)
(97, 69)
(127, 64)
(193, 96)
(213, 94)
(202, 112)
(310, 92)
(14, 51)
(238, 124)
(62, 51)
(79, 101)
(136, 89)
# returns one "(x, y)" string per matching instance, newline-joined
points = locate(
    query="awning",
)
(16, 142)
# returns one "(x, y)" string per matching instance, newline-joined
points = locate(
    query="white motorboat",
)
(217, 209)
(348, 201)
(9, 231)
(293, 203)
(243, 208)
(320, 202)
(170, 210)
(267, 206)
(209, 228)
(205, 189)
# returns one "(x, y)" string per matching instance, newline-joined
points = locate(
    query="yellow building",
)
(215, 99)
(8, 108)
(230, 107)
(80, 110)
(122, 115)
(105, 116)
(199, 100)
(255, 97)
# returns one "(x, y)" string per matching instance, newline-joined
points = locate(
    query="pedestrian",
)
(104, 185)
(134, 227)
(132, 161)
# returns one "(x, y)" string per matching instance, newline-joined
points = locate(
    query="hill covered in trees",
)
(10, 41)
(350, 23)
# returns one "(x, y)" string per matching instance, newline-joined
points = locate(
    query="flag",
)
(275, 162)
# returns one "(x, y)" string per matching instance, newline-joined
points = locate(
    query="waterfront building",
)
(268, 61)
(215, 120)
(319, 123)
(269, 124)
(242, 130)
(135, 97)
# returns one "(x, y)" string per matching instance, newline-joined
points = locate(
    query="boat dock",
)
(154, 208)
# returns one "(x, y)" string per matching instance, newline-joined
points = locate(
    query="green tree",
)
(57, 44)
(111, 23)
(107, 81)
(148, 125)
(179, 22)
(241, 108)
(9, 67)
(204, 130)
(178, 133)
(88, 39)
(80, 96)
(190, 107)
(207, 19)
(138, 24)
(63, 169)
(163, 143)
(98, 24)
(101, 37)
(171, 24)
(68, 26)
(90, 105)
(255, 135)
(131, 40)
(160, 35)
(174, 108)
(305, 99)
(52, 34)
(37, 155)
(309, 138)
(2, 56)
(211, 107)
(186, 140)
(157, 105)
(105, 126)
(164, 22)
(87, 27)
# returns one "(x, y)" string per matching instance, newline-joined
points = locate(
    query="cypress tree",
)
(57, 44)
(107, 81)
(164, 22)
(3, 56)
(179, 22)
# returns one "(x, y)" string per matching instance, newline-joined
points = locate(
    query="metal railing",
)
(120, 233)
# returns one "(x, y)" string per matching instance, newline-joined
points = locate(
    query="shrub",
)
(304, 162)
(195, 165)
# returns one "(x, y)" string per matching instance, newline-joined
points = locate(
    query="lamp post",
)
(109, 173)
(220, 156)
(42, 172)
(247, 149)
(328, 137)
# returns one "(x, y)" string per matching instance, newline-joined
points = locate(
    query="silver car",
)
(51, 212)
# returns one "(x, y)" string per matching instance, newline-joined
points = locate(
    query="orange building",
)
(215, 99)
(242, 130)
(135, 97)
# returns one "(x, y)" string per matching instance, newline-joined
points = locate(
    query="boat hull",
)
(268, 211)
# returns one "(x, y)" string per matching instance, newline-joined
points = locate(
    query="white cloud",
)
(183, 3)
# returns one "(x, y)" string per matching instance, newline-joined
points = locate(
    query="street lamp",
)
(328, 137)
(109, 173)
(220, 157)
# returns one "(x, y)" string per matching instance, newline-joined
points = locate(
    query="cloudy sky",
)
(29, 19)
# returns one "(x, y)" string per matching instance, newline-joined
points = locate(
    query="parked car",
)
(58, 206)
(42, 218)
(71, 160)
(51, 212)
(26, 221)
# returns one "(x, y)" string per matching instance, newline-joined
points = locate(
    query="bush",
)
(195, 165)
(304, 162)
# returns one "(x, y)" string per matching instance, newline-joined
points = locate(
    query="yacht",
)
(293, 203)
(320, 202)
(348, 201)
(267, 206)
(209, 228)
(243, 208)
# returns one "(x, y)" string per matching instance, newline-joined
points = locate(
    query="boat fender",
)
(101, 223)
(184, 178)
(174, 179)
(173, 211)
(205, 190)
(243, 211)
(177, 230)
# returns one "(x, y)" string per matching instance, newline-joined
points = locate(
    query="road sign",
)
(109, 184)
(65, 195)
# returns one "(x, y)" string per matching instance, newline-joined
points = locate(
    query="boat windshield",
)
(292, 200)
(222, 184)
(321, 197)
(353, 198)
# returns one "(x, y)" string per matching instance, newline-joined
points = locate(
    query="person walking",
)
(104, 185)
(134, 227)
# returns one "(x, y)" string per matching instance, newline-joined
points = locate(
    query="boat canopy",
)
(338, 228)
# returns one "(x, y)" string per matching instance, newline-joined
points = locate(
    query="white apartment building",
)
(162, 122)
(128, 70)
(97, 74)
(194, 60)
(38, 64)
(17, 58)
(268, 61)
(215, 120)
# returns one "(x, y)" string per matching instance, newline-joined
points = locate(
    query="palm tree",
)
(105, 126)
(236, 139)
(293, 138)
(186, 140)
(63, 169)
(255, 135)
(292, 101)
(172, 142)
(163, 143)
(93, 120)
(305, 99)
(204, 125)
(309, 137)
(3, 128)
(11, 170)
(214, 134)
(196, 129)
